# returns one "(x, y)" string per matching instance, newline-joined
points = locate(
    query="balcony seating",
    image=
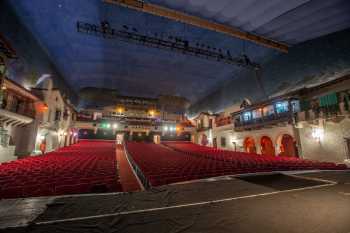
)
(89, 166)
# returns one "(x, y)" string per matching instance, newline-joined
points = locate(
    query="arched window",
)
(249, 145)
(288, 146)
(267, 147)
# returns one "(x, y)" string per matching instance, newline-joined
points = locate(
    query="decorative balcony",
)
(16, 110)
(223, 121)
(21, 107)
(264, 121)
(334, 112)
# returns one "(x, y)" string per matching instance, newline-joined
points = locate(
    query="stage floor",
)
(294, 202)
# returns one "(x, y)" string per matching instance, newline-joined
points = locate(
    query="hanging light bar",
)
(171, 44)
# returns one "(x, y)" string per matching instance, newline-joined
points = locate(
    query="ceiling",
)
(136, 70)
(291, 21)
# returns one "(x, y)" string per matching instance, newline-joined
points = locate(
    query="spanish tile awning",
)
(13, 119)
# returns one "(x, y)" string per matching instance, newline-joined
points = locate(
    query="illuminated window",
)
(295, 105)
(256, 113)
(247, 116)
(268, 110)
(282, 107)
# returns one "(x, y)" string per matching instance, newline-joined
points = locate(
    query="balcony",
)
(201, 128)
(20, 108)
(264, 122)
(15, 112)
(84, 118)
(223, 121)
(334, 112)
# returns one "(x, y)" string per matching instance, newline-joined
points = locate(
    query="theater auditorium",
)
(174, 116)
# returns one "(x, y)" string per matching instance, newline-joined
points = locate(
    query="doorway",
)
(249, 145)
(288, 146)
(267, 147)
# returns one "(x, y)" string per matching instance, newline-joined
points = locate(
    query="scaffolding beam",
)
(199, 22)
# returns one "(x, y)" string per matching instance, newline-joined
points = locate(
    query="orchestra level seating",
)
(182, 161)
(89, 166)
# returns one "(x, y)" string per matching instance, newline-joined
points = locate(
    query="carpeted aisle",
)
(127, 178)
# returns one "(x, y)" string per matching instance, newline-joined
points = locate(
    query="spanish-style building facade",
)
(312, 123)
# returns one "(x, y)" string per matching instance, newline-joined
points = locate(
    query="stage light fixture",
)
(157, 41)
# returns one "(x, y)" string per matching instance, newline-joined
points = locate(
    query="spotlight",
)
(115, 125)
(108, 126)
(165, 128)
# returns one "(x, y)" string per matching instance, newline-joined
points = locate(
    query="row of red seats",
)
(161, 165)
(86, 167)
(252, 160)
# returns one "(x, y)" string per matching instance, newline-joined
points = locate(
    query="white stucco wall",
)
(331, 147)
(7, 154)
(273, 133)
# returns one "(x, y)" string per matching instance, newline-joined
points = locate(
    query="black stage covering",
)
(246, 204)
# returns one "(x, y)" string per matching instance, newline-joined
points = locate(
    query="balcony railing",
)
(203, 128)
(339, 110)
(264, 121)
(21, 108)
(223, 121)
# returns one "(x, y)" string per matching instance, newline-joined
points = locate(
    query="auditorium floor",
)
(312, 202)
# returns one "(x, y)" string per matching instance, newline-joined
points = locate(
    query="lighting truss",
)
(172, 44)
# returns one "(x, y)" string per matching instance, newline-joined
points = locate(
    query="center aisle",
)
(127, 177)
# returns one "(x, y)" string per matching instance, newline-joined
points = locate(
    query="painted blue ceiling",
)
(135, 70)
(291, 21)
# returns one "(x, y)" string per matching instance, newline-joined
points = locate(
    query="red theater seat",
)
(85, 167)
(187, 161)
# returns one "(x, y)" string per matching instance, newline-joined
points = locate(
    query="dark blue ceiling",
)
(291, 21)
(135, 70)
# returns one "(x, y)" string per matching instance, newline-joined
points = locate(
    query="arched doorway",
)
(287, 146)
(249, 145)
(204, 140)
(267, 147)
